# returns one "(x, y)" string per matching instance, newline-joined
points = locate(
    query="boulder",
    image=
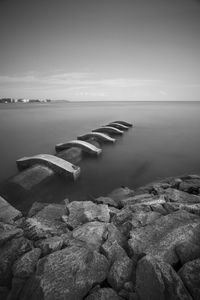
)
(141, 219)
(103, 294)
(114, 234)
(137, 199)
(106, 200)
(113, 251)
(119, 194)
(10, 252)
(120, 272)
(174, 195)
(50, 245)
(189, 274)
(187, 251)
(8, 214)
(191, 185)
(8, 232)
(81, 212)
(46, 223)
(156, 280)
(161, 237)
(66, 274)
(24, 266)
(74, 155)
(92, 233)
(159, 208)
(35, 208)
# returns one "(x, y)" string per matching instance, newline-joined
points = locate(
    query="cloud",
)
(78, 80)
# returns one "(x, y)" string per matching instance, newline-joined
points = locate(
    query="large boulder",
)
(174, 195)
(156, 280)
(81, 212)
(120, 272)
(106, 200)
(103, 294)
(8, 214)
(46, 223)
(25, 265)
(10, 252)
(8, 232)
(50, 245)
(191, 184)
(113, 251)
(187, 251)
(119, 194)
(66, 274)
(189, 273)
(137, 199)
(92, 233)
(161, 237)
(141, 219)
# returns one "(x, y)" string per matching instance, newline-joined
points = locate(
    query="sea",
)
(164, 141)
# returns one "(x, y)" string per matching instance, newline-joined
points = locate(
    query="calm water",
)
(165, 141)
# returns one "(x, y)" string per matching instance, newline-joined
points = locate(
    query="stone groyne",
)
(131, 244)
(40, 175)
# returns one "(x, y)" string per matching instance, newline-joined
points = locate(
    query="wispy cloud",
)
(78, 80)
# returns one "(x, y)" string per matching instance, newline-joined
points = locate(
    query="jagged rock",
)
(159, 208)
(191, 185)
(92, 233)
(35, 208)
(160, 238)
(119, 194)
(4, 291)
(137, 199)
(145, 207)
(25, 265)
(156, 280)
(113, 251)
(106, 200)
(113, 211)
(174, 195)
(113, 234)
(103, 294)
(81, 212)
(17, 286)
(50, 245)
(74, 155)
(120, 272)
(46, 223)
(155, 188)
(66, 274)
(187, 251)
(9, 252)
(174, 206)
(189, 273)
(8, 231)
(8, 214)
(141, 219)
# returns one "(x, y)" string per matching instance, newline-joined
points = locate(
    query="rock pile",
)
(139, 245)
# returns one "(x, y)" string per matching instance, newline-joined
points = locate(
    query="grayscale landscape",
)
(99, 156)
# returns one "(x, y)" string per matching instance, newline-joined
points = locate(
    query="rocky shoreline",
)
(141, 245)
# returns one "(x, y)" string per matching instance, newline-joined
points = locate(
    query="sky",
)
(99, 50)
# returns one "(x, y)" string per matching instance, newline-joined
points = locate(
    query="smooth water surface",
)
(165, 141)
